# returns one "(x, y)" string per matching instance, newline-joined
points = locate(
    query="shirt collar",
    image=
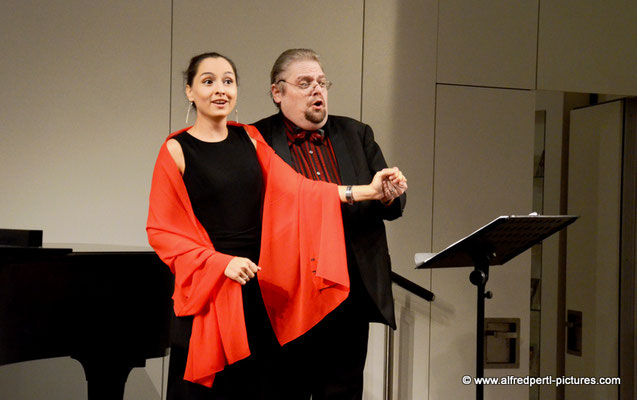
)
(296, 135)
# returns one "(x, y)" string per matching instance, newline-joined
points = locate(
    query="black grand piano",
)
(107, 307)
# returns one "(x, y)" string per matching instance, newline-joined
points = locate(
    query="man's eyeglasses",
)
(306, 86)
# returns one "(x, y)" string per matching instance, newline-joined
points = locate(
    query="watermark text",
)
(544, 380)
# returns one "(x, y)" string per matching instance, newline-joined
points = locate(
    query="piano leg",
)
(106, 379)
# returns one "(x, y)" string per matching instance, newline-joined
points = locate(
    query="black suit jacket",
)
(359, 158)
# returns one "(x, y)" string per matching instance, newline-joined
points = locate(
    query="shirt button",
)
(318, 173)
(311, 152)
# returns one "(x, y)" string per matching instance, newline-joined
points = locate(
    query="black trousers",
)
(327, 363)
(247, 379)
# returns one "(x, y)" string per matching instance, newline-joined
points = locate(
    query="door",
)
(593, 248)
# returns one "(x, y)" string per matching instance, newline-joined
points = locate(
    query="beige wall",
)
(487, 43)
(84, 93)
(253, 34)
(85, 89)
(398, 101)
(587, 46)
(89, 93)
(483, 170)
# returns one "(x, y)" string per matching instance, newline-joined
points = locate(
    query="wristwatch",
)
(348, 195)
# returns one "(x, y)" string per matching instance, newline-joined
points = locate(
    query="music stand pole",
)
(479, 277)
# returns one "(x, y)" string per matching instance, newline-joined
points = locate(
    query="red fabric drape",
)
(303, 263)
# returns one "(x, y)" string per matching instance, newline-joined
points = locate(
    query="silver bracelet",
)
(348, 195)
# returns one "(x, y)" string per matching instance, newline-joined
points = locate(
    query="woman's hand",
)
(241, 270)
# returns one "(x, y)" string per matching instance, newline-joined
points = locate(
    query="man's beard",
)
(315, 116)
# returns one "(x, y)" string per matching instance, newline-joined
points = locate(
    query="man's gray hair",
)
(284, 61)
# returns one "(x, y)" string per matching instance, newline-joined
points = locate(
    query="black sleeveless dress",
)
(225, 187)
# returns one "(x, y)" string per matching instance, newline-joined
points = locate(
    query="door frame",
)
(628, 245)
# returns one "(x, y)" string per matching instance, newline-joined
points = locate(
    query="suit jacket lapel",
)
(345, 165)
(280, 140)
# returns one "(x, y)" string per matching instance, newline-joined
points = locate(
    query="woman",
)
(220, 203)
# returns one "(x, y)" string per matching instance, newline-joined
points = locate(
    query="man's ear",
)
(276, 93)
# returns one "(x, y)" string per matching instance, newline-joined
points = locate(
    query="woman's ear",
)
(189, 93)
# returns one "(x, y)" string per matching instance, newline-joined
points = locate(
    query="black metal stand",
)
(479, 277)
(494, 244)
(412, 287)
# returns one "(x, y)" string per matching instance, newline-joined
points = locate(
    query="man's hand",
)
(393, 185)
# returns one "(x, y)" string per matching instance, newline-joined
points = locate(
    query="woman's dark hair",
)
(191, 71)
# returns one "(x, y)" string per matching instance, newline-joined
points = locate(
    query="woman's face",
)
(213, 89)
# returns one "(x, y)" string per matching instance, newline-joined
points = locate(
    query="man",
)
(328, 361)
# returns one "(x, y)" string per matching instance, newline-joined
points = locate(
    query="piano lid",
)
(100, 248)
(21, 237)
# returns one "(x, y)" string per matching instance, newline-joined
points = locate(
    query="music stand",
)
(494, 244)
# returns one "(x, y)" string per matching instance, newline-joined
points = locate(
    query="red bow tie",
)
(301, 136)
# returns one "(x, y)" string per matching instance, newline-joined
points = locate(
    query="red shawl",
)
(303, 263)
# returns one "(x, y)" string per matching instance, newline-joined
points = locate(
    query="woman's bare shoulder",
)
(174, 148)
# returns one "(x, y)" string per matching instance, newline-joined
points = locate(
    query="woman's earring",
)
(236, 115)
(188, 113)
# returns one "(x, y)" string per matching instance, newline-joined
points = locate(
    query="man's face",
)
(306, 108)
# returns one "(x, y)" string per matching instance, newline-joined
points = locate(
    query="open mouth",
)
(317, 104)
